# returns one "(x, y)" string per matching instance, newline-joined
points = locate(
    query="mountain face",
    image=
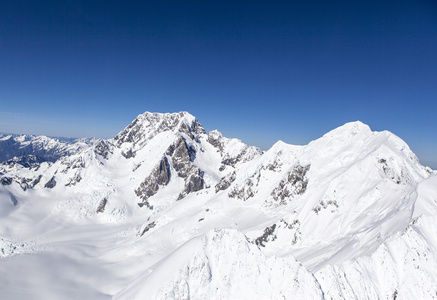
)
(165, 210)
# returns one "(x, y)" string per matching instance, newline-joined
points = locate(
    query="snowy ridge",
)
(350, 215)
(402, 266)
(46, 148)
(201, 271)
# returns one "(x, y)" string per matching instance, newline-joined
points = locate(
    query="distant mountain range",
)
(46, 148)
(165, 210)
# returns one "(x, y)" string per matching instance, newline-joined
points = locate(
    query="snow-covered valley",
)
(165, 210)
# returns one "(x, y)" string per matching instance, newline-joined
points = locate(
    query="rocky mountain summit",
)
(165, 210)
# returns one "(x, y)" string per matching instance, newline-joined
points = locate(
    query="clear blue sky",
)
(259, 71)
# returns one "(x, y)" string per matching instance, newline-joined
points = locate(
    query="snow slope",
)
(165, 210)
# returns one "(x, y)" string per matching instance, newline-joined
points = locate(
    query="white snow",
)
(350, 215)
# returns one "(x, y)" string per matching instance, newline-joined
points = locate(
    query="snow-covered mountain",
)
(165, 210)
(44, 148)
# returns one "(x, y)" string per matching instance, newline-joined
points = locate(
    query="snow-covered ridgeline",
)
(294, 221)
(43, 147)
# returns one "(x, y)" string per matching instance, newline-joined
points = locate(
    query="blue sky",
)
(263, 71)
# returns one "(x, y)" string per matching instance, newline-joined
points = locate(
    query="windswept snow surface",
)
(165, 210)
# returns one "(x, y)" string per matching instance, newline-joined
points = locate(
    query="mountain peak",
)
(149, 124)
(350, 129)
(182, 115)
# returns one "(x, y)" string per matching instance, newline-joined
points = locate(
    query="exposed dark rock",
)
(36, 181)
(246, 154)
(75, 163)
(6, 180)
(324, 205)
(148, 227)
(130, 134)
(197, 128)
(168, 123)
(103, 148)
(267, 236)
(269, 232)
(160, 176)
(191, 152)
(215, 139)
(295, 225)
(102, 205)
(51, 183)
(246, 191)
(228, 162)
(193, 183)
(136, 167)
(129, 154)
(74, 180)
(294, 184)
(192, 131)
(182, 155)
(232, 161)
(24, 183)
(78, 163)
(275, 166)
(394, 172)
(225, 182)
(146, 204)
